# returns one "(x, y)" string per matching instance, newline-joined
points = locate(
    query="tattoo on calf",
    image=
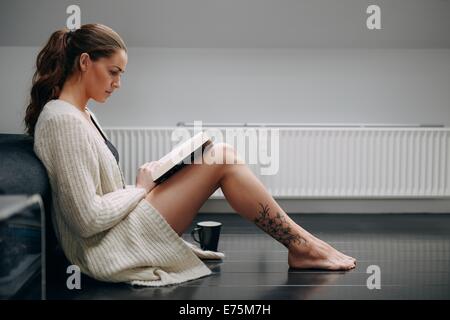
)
(277, 227)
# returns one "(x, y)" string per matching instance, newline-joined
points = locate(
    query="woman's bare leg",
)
(180, 197)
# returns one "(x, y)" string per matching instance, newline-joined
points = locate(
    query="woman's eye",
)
(113, 73)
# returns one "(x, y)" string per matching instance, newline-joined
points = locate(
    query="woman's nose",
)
(116, 84)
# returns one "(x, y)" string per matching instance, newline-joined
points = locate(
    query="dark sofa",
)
(21, 172)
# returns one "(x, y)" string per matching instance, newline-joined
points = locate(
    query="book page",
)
(180, 153)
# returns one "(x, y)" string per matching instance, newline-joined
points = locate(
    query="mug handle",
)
(193, 233)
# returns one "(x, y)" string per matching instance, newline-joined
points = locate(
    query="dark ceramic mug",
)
(208, 234)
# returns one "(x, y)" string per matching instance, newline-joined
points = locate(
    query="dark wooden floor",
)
(412, 252)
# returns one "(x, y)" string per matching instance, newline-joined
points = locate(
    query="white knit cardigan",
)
(106, 228)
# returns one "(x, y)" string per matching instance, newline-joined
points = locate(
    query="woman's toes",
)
(350, 258)
(350, 265)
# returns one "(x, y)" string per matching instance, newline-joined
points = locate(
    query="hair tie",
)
(71, 32)
(67, 36)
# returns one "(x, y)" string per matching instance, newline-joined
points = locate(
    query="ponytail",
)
(48, 78)
(59, 59)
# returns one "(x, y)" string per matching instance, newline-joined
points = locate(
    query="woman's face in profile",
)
(103, 75)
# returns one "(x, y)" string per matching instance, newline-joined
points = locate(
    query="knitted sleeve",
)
(72, 163)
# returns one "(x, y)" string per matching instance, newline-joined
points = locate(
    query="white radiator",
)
(328, 162)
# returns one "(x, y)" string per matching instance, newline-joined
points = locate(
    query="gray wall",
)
(164, 86)
(238, 23)
(250, 60)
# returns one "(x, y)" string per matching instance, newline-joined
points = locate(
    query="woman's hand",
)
(144, 177)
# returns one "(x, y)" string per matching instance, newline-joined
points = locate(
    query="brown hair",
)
(59, 59)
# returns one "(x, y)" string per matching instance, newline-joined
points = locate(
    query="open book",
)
(180, 156)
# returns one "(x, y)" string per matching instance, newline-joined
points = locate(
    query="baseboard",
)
(344, 206)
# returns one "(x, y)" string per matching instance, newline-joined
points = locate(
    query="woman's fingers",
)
(154, 166)
(150, 165)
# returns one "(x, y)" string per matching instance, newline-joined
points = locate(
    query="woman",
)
(132, 234)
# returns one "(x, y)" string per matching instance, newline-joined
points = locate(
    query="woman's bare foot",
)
(314, 253)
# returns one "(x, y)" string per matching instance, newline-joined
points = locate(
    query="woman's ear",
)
(84, 61)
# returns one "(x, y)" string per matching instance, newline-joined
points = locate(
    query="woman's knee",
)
(223, 153)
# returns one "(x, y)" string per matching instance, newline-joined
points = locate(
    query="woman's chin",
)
(101, 99)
